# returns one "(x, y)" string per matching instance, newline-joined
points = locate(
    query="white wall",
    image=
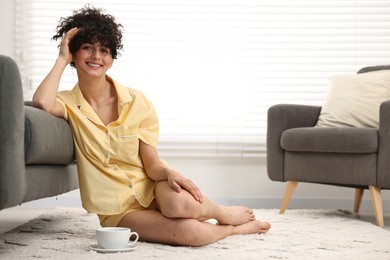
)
(229, 181)
(6, 29)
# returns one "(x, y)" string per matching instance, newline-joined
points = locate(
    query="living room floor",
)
(16, 216)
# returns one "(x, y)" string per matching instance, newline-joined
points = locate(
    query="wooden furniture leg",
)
(358, 199)
(376, 199)
(291, 185)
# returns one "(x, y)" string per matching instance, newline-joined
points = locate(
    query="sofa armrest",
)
(12, 170)
(48, 139)
(280, 118)
(384, 146)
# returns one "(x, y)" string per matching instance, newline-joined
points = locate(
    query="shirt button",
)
(130, 185)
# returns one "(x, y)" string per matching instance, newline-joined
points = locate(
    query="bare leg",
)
(182, 205)
(152, 226)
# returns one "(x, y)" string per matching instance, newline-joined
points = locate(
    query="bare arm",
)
(159, 171)
(46, 93)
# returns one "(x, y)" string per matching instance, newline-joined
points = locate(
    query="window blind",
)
(213, 68)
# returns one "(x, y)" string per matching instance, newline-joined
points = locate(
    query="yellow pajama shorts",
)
(113, 220)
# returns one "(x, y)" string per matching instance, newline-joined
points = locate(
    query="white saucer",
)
(97, 248)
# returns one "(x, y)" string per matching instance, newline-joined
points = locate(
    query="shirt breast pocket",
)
(128, 146)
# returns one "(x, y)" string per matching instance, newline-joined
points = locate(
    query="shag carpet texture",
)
(67, 233)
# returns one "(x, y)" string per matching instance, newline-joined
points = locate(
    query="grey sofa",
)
(36, 148)
(350, 157)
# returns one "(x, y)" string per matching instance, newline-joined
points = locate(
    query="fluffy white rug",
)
(298, 234)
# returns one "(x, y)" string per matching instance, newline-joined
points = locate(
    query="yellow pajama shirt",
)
(111, 175)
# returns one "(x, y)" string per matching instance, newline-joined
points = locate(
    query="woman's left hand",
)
(159, 171)
(178, 182)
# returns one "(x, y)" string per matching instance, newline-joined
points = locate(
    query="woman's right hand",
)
(64, 47)
(45, 97)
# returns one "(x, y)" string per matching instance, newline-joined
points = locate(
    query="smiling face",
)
(92, 59)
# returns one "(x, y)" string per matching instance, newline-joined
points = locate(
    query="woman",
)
(122, 178)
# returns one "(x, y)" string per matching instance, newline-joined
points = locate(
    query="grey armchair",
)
(350, 157)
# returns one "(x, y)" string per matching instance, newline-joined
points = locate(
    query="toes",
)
(264, 228)
(265, 225)
(252, 214)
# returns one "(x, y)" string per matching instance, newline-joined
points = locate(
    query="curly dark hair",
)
(95, 27)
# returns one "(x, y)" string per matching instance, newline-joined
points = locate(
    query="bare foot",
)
(252, 227)
(235, 215)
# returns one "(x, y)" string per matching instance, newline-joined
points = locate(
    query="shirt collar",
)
(123, 93)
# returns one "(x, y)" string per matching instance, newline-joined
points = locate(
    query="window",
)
(213, 67)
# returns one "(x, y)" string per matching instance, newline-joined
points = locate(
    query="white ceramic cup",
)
(115, 237)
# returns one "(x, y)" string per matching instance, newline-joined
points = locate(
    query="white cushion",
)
(354, 100)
